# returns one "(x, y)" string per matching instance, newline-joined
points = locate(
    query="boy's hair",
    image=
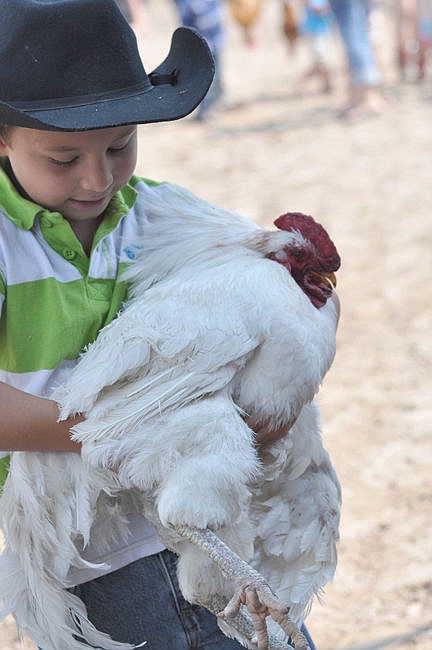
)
(4, 130)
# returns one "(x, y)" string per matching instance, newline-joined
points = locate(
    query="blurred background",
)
(291, 128)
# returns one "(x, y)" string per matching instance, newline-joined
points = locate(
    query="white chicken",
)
(225, 319)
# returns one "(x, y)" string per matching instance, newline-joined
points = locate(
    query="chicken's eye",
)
(299, 255)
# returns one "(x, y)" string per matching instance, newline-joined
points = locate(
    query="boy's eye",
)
(62, 163)
(119, 148)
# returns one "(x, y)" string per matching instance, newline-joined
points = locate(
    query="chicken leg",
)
(253, 599)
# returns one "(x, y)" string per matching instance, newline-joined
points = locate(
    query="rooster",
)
(226, 320)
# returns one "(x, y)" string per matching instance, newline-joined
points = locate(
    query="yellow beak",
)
(328, 278)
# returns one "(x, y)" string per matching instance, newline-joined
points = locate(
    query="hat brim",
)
(190, 65)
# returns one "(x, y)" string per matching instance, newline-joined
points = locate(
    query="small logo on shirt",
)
(131, 251)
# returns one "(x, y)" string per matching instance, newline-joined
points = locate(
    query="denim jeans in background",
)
(352, 17)
(143, 602)
(208, 17)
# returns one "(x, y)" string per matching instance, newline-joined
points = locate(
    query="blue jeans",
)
(142, 601)
(353, 22)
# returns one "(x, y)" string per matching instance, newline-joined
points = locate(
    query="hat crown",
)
(58, 49)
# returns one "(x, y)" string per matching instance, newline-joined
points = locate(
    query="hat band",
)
(158, 79)
(81, 100)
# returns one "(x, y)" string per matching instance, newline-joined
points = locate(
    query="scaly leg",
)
(252, 591)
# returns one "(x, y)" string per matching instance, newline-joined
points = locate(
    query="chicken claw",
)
(252, 590)
(260, 602)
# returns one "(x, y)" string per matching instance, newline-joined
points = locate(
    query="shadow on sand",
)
(397, 639)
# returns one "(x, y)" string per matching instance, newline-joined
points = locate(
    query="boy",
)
(72, 91)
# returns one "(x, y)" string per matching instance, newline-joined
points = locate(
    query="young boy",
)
(72, 90)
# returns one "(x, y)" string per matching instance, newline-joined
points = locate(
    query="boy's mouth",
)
(88, 203)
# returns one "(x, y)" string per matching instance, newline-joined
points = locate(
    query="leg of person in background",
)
(424, 33)
(133, 11)
(125, 8)
(208, 17)
(366, 97)
(316, 28)
(139, 16)
(214, 96)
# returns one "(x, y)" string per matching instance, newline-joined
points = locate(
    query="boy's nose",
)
(97, 176)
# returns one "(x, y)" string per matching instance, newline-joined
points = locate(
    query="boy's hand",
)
(265, 434)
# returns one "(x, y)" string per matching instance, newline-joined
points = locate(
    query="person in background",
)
(207, 16)
(413, 37)
(125, 8)
(316, 27)
(366, 97)
(133, 11)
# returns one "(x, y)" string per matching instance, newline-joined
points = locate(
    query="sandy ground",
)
(369, 183)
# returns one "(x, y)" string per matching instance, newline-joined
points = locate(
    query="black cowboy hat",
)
(74, 65)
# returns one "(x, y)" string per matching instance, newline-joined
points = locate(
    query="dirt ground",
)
(273, 150)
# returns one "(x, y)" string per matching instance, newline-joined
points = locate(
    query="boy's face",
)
(74, 173)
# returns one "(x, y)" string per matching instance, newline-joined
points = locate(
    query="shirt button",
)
(69, 254)
(46, 223)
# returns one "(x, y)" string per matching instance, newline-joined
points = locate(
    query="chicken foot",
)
(241, 624)
(252, 591)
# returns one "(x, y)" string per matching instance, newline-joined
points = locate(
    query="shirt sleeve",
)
(4, 467)
(2, 288)
(4, 455)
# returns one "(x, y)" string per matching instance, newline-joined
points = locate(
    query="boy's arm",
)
(29, 423)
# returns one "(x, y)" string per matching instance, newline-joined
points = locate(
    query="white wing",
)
(41, 507)
(295, 510)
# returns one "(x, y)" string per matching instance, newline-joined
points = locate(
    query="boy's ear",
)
(3, 147)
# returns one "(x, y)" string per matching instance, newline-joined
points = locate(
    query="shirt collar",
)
(21, 211)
